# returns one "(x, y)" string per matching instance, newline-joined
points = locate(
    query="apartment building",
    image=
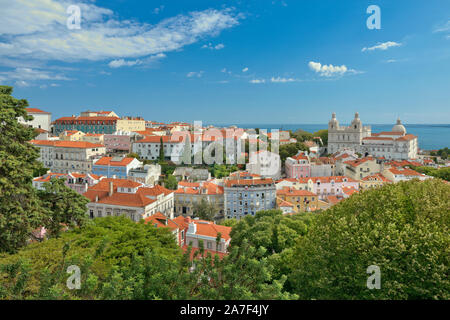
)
(191, 193)
(322, 186)
(302, 200)
(247, 194)
(361, 168)
(121, 197)
(68, 156)
(115, 167)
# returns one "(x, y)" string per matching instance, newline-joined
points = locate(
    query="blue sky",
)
(254, 61)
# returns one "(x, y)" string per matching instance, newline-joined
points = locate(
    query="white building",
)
(394, 144)
(120, 197)
(41, 119)
(68, 156)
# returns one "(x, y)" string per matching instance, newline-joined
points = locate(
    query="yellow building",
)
(361, 168)
(93, 138)
(130, 124)
(71, 135)
(373, 181)
(302, 200)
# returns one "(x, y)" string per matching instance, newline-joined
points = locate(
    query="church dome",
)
(398, 127)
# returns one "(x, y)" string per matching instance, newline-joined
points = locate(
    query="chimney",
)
(192, 228)
(111, 188)
(96, 198)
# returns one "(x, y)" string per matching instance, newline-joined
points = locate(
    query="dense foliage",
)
(23, 208)
(442, 173)
(402, 228)
(120, 259)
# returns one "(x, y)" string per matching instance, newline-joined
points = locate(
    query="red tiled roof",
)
(376, 177)
(357, 162)
(67, 144)
(286, 191)
(248, 182)
(391, 133)
(35, 110)
(407, 137)
(105, 161)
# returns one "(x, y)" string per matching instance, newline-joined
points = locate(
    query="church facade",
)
(395, 144)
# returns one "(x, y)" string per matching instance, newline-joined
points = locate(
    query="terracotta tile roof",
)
(333, 199)
(349, 190)
(210, 229)
(162, 221)
(375, 177)
(286, 191)
(357, 162)
(391, 133)
(407, 137)
(300, 156)
(105, 161)
(67, 144)
(93, 118)
(285, 204)
(35, 110)
(47, 177)
(404, 171)
(247, 182)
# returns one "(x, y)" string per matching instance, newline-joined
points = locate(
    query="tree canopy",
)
(21, 211)
(402, 228)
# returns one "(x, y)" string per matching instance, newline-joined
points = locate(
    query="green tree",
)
(161, 150)
(99, 248)
(402, 228)
(323, 134)
(171, 182)
(442, 173)
(66, 208)
(205, 210)
(302, 135)
(290, 149)
(133, 155)
(21, 211)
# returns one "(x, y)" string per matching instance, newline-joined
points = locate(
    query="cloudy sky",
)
(252, 61)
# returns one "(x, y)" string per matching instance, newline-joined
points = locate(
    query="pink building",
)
(298, 166)
(117, 142)
(322, 186)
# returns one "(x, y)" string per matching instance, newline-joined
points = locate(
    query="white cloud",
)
(211, 47)
(282, 80)
(382, 46)
(328, 70)
(121, 62)
(45, 36)
(257, 81)
(30, 75)
(245, 69)
(445, 28)
(194, 74)
(22, 83)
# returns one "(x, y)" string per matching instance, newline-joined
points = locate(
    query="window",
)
(209, 245)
